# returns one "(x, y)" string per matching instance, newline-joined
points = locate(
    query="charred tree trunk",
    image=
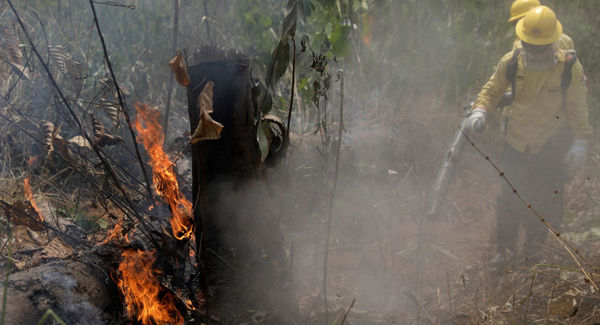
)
(232, 204)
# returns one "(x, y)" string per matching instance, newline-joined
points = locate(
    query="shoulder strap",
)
(565, 80)
(511, 71)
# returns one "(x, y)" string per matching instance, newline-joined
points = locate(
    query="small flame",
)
(117, 234)
(164, 180)
(29, 198)
(142, 290)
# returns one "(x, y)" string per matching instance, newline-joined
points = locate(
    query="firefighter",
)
(519, 9)
(547, 133)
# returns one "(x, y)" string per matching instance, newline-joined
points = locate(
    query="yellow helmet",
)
(539, 26)
(519, 9)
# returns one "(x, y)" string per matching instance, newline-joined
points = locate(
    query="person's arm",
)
(577, 113)
(492, 91)
(489, 96)
(577, 108)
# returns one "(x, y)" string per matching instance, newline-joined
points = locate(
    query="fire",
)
(164, 179)
(116, 234)
(142, 290)
(29, 198)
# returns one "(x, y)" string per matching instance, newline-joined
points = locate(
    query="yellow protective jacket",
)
(537, 112)
(564, 42)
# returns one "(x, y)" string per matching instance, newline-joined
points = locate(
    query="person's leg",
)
(509, 209)
(548, 177)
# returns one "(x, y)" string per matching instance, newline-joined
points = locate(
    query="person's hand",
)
(476, 120)
(576, 156)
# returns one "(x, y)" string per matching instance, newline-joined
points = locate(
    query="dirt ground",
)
(375, 258)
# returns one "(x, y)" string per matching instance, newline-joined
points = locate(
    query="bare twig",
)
(419, 302)
(115, 4)
(335, 180)
(348, 311)
(204, 3)
(289, 117)
(222, 259)
(122, 103)
(529, 295)
(173, 50)
(9, 263)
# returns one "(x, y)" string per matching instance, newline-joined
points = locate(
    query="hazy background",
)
(409, 67)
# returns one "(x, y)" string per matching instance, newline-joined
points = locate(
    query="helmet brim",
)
(517, 17)
(538, 40)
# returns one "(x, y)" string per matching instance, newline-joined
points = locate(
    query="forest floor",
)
(374, 258)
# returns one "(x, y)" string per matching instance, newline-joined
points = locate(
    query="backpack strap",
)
(565, 80)
(511, 72)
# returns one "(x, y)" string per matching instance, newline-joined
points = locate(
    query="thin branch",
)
(348, 311)
(289, 117)
(115, 4)
(122, 103)
(335, 181)
(173, 50)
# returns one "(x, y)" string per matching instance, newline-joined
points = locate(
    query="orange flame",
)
(164, 179)
(142, 290)
(29, 198)
(116, 234)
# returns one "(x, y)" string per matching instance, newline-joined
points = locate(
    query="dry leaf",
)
(52, 140)
(207, 129)
(56, 249)
(59, 57)
(112, 109)
(101, 138)
(47, 129)
(97, 128)
(12, 46)
(80, 141)
(63, 147)
(563, 305)
(22, 213)
(179, 68)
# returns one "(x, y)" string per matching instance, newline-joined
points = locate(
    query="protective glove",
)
(576, 156)
(476, 120)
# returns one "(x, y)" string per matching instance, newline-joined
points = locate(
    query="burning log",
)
(142, 290)
(78, 292)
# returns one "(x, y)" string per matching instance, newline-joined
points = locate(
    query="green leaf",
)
(263, 140)
(339, 40)
(50, 313)
(291, 19)
(280, 60)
